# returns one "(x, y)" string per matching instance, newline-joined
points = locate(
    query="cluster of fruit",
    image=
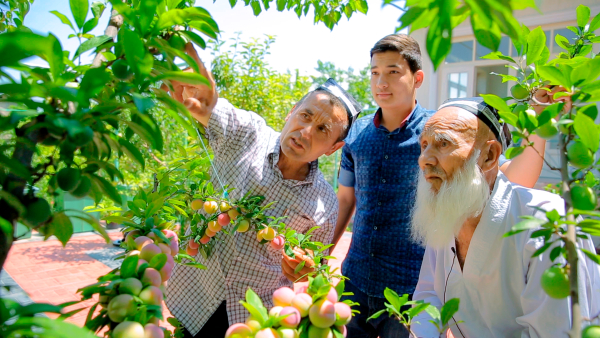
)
(314, 312)
(221, 214)
(131, 296)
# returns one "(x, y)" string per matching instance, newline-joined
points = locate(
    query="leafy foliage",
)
(12, 14)
(489, 20)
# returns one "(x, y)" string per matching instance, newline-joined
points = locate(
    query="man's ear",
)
(490, 155)
(335, 147)
(419, 77)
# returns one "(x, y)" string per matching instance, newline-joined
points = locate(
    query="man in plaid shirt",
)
(252, 157)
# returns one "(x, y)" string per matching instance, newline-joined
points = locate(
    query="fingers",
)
(191, 51)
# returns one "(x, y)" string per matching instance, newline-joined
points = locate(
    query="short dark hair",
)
(403, 44)
(334, 101)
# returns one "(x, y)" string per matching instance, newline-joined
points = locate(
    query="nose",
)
(307, 132)
(427, 158)
(381, 82)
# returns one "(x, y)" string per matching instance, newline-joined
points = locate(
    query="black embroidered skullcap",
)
(352, 107)
(486, 113)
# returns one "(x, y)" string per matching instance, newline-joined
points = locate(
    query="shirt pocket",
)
(295, 220)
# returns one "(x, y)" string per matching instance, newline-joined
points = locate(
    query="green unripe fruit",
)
(81, 136)
(120, 307)
(519, 92)
(37, 212)
(555, 283)
(548, 130)
(128, 330)
(131, 286)
(121, 70)
(579, 155)
(591, 332)
(176, 41)
(68, 178)
(83, 188)
(583, 197)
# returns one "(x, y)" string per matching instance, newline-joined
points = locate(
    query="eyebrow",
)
(388, 66)
(309, 112)
(439, 136)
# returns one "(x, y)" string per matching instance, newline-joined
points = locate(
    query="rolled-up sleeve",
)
(347, 177)
(232, 126)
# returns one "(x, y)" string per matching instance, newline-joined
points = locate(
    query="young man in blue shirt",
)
(378, 179)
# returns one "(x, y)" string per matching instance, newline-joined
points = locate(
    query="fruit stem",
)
(571, 241)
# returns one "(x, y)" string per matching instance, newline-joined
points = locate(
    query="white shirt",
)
(246, 152)
(499, 285)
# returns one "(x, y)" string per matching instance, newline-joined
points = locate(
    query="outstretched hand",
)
(289, 265)
(198, 99)
(547, 97)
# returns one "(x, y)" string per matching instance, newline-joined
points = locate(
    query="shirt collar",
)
(273, 156)
(377, 118)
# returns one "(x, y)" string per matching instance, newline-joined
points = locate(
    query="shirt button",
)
(386, 157)
(375, 227)
(383, 180)
(372, 255)
(389, 136)
(378, 203)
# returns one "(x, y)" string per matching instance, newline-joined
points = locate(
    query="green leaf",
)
(542, 249)
(553, 75)
(253, 299)
(108, 189)
(158, 261)
(132, 152)
(135, 52)
(182, 16)
(528, 223)
(499, 56)
(13, 201)
(513, 152)
(93, 82)
(15, 167)
(549, 113)
(91, 44)
(63, 18)
(129, 266)
(35, 308)
(536, 41)
(142, 103)
(89, 25)
(434, 312)
(47, 327)
(595, 24)
(587, 130)
(496, 102)
(377, 314)
(79, 9)
(439, 35)
(449, 309)
(98, 8)
(185, 77)
(394, 299)
(162, 236)
(416, 309)
(486, 32)
(16, 46)
(583, 15)
(62, 227)
(195, 38)
(595, 258)
(147, 12)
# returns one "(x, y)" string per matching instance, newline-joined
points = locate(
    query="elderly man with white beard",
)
(464, 207)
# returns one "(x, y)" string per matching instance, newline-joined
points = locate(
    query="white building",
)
(465, 74)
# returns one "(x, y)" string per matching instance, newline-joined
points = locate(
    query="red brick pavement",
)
(52, 274)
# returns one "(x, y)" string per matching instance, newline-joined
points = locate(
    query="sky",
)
(299, 43)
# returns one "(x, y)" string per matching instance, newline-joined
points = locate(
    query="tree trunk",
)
(571, 244)
(116, 20)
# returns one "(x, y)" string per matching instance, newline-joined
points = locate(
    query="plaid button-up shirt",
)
(246, 152)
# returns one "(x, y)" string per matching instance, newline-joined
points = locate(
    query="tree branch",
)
(116, 21)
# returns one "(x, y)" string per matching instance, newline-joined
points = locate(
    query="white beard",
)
(438, 217)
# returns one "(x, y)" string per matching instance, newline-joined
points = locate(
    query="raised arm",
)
(526, 168)
(200, 100)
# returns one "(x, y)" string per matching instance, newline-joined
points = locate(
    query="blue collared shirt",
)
(382, 167)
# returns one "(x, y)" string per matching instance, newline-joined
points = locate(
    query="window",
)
(461, 52)
(483, 51)
(457, 85)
